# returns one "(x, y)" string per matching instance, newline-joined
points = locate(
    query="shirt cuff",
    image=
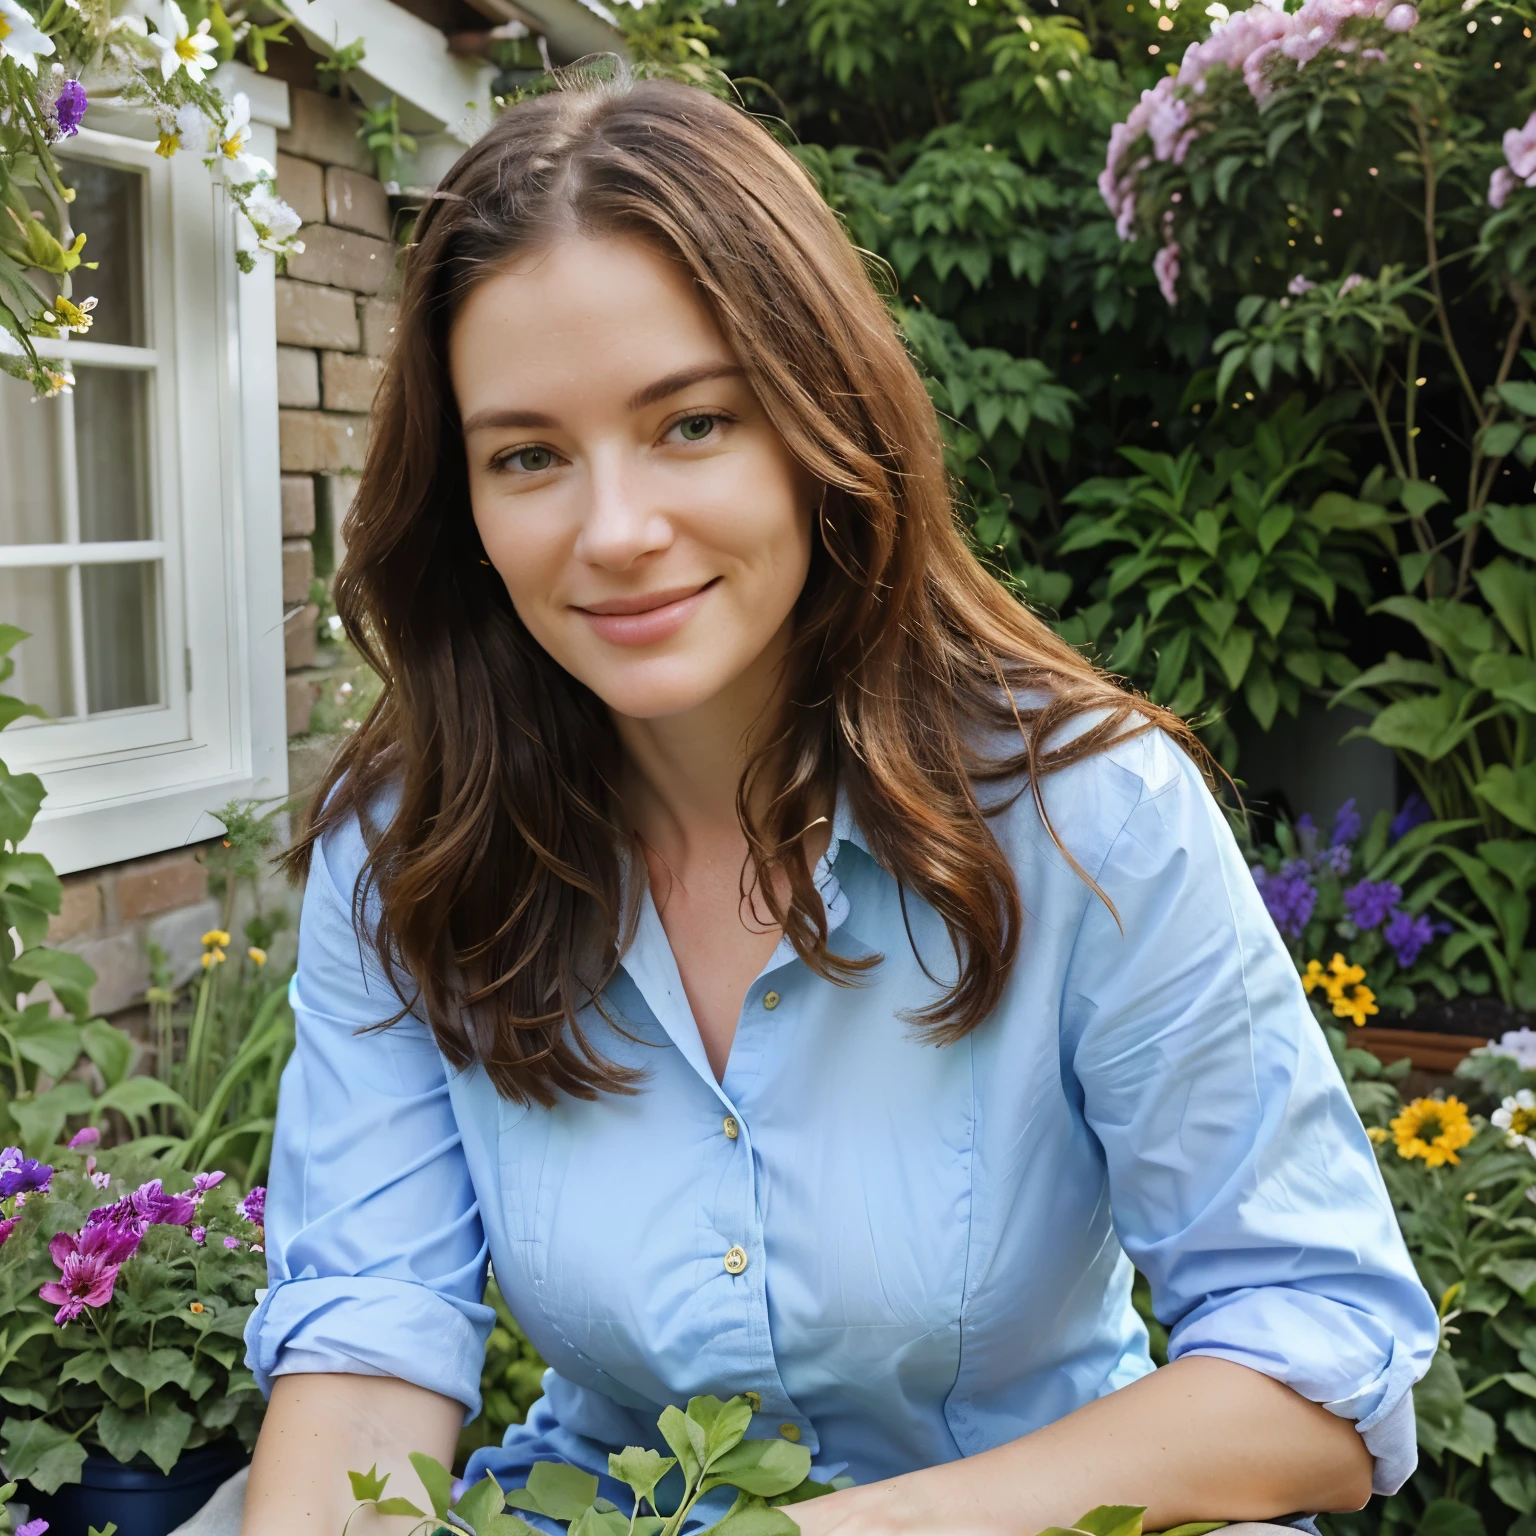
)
(370, 1326)
(1392, 1438)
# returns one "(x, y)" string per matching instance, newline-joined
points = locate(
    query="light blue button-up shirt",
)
(939, 1240)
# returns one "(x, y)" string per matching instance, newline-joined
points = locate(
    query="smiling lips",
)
(645, 618)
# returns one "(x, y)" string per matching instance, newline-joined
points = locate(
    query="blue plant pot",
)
(140, 1498)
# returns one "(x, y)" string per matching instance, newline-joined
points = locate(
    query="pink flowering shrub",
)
(1520, 169)
(130, 1320)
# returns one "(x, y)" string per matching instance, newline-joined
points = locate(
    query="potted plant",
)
(125, 1285)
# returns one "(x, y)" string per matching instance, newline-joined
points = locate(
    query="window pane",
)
(108, 208)
(122, 651)
(30, 494)
(112, 453)
(38, 601)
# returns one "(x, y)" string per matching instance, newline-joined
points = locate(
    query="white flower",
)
(20, 38)
(1516, 1117)
(179, 48)
(231, 139)
(129, 23)
(1519, 1043)
(274, 221)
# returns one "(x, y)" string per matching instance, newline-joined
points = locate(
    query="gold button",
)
(731, 1128)
(735, 1260)
(770, 1000)
(790, 1431)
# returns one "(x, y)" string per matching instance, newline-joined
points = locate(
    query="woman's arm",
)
(1201, 1439)
(320, 1427)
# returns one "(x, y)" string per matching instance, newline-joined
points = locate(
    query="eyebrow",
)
(670, 384)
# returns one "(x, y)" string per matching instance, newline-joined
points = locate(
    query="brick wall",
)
(333, 327)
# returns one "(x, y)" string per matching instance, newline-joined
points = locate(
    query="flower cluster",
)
(89, 1261)
(1520, 153)
(1520, 1044)
(1264, 44)
(1344, 987)
(20, 1176)
(1289, 893)
(140, 53)
(1433, 1129)
(215, 948)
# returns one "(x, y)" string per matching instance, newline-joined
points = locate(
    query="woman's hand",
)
(1202, 1439)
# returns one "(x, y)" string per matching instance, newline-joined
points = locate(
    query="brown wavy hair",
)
(498, 875)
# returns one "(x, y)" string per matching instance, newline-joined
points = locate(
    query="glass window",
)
(81, 475)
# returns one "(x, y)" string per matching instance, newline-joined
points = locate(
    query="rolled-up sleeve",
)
(376, 1256)
(1242, 1182)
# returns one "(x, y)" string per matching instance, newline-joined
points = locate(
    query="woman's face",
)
(651, 526)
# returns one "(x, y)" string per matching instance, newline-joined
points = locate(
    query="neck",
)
(682, 772)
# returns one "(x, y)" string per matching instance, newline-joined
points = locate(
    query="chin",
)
(645, 693)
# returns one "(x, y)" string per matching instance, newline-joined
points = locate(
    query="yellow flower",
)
(257, 956)
(213, 957)
(1314, 976)
(74, 317)
(215, 938)
(1378, 1134)
(1433, 1129)
(167, 145)
(1344, 975)
(1360, 1002)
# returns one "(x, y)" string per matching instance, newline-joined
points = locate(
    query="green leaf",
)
(1195, 1528)
(1475, 1436)
(562, 1492)
(69, 977)
(764, 1467)
(367, 1485)
(1514, 528)
(46, 1457)
(1511, 792)
(436, 1479)
(509, 1525)
(1262, 696)
(1514, 1483)
(1521, 1423)
(1233, 653)
(110, 1048)
(750, 1516)
(1510, 590)
(1449, 1517)
(166, 1437)
(1519, 395)
(152, 1368)
(478, 1503)
(399, 1506)
(1518, 1274)
(1500, 438)
(52, 1044)
(1510, 678)
(136, 1096)
(1274, 526)
(1271, 609)
(1335, 511)
(1418, 496)
(20, 796)
(41, 1119)
(674, 1427)
(642, 1469)
(1112, 1520)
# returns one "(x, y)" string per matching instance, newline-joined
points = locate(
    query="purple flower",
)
(1370, 903)
(1500, 185)
(203, 1182)
(1401, 18)
(148, 1206)
(86, 1138)
(231, 1242)
(1408, 935)
(1289, 896)
(7, 1226)
(199, 1235)
(88, 1264)
(101, 1180)
(1354, 280)
(1166, 267)
(32, 1528)
(254, 1206)
(1299, 285)
(19, 1174)
(1346, 824)
(1415, 813)
(1338, 859)
(70, 108)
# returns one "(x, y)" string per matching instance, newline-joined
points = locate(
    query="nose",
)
(622, 523)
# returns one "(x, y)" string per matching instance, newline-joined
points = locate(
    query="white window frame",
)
(137, 782)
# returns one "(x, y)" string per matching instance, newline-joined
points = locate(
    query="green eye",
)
(695, 428)
(533, 459)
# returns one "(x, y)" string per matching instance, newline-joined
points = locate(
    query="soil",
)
(1485, 1017)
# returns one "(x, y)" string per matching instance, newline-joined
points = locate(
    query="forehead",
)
(580, 316)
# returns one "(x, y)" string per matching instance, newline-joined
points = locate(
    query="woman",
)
(795, 969)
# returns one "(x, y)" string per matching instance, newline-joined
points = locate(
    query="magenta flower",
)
(199, 1235)
(32, 1528)
(1500, 185)
(88, 1264)
(7, 1226)
(254, 1206)
(1520, 149)
(1299, 285)
(70, 108)
(155, 1208)
(231, 1243)
(1401, 18)
(1350, 283)
(19, 1174)
(86, 1138)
